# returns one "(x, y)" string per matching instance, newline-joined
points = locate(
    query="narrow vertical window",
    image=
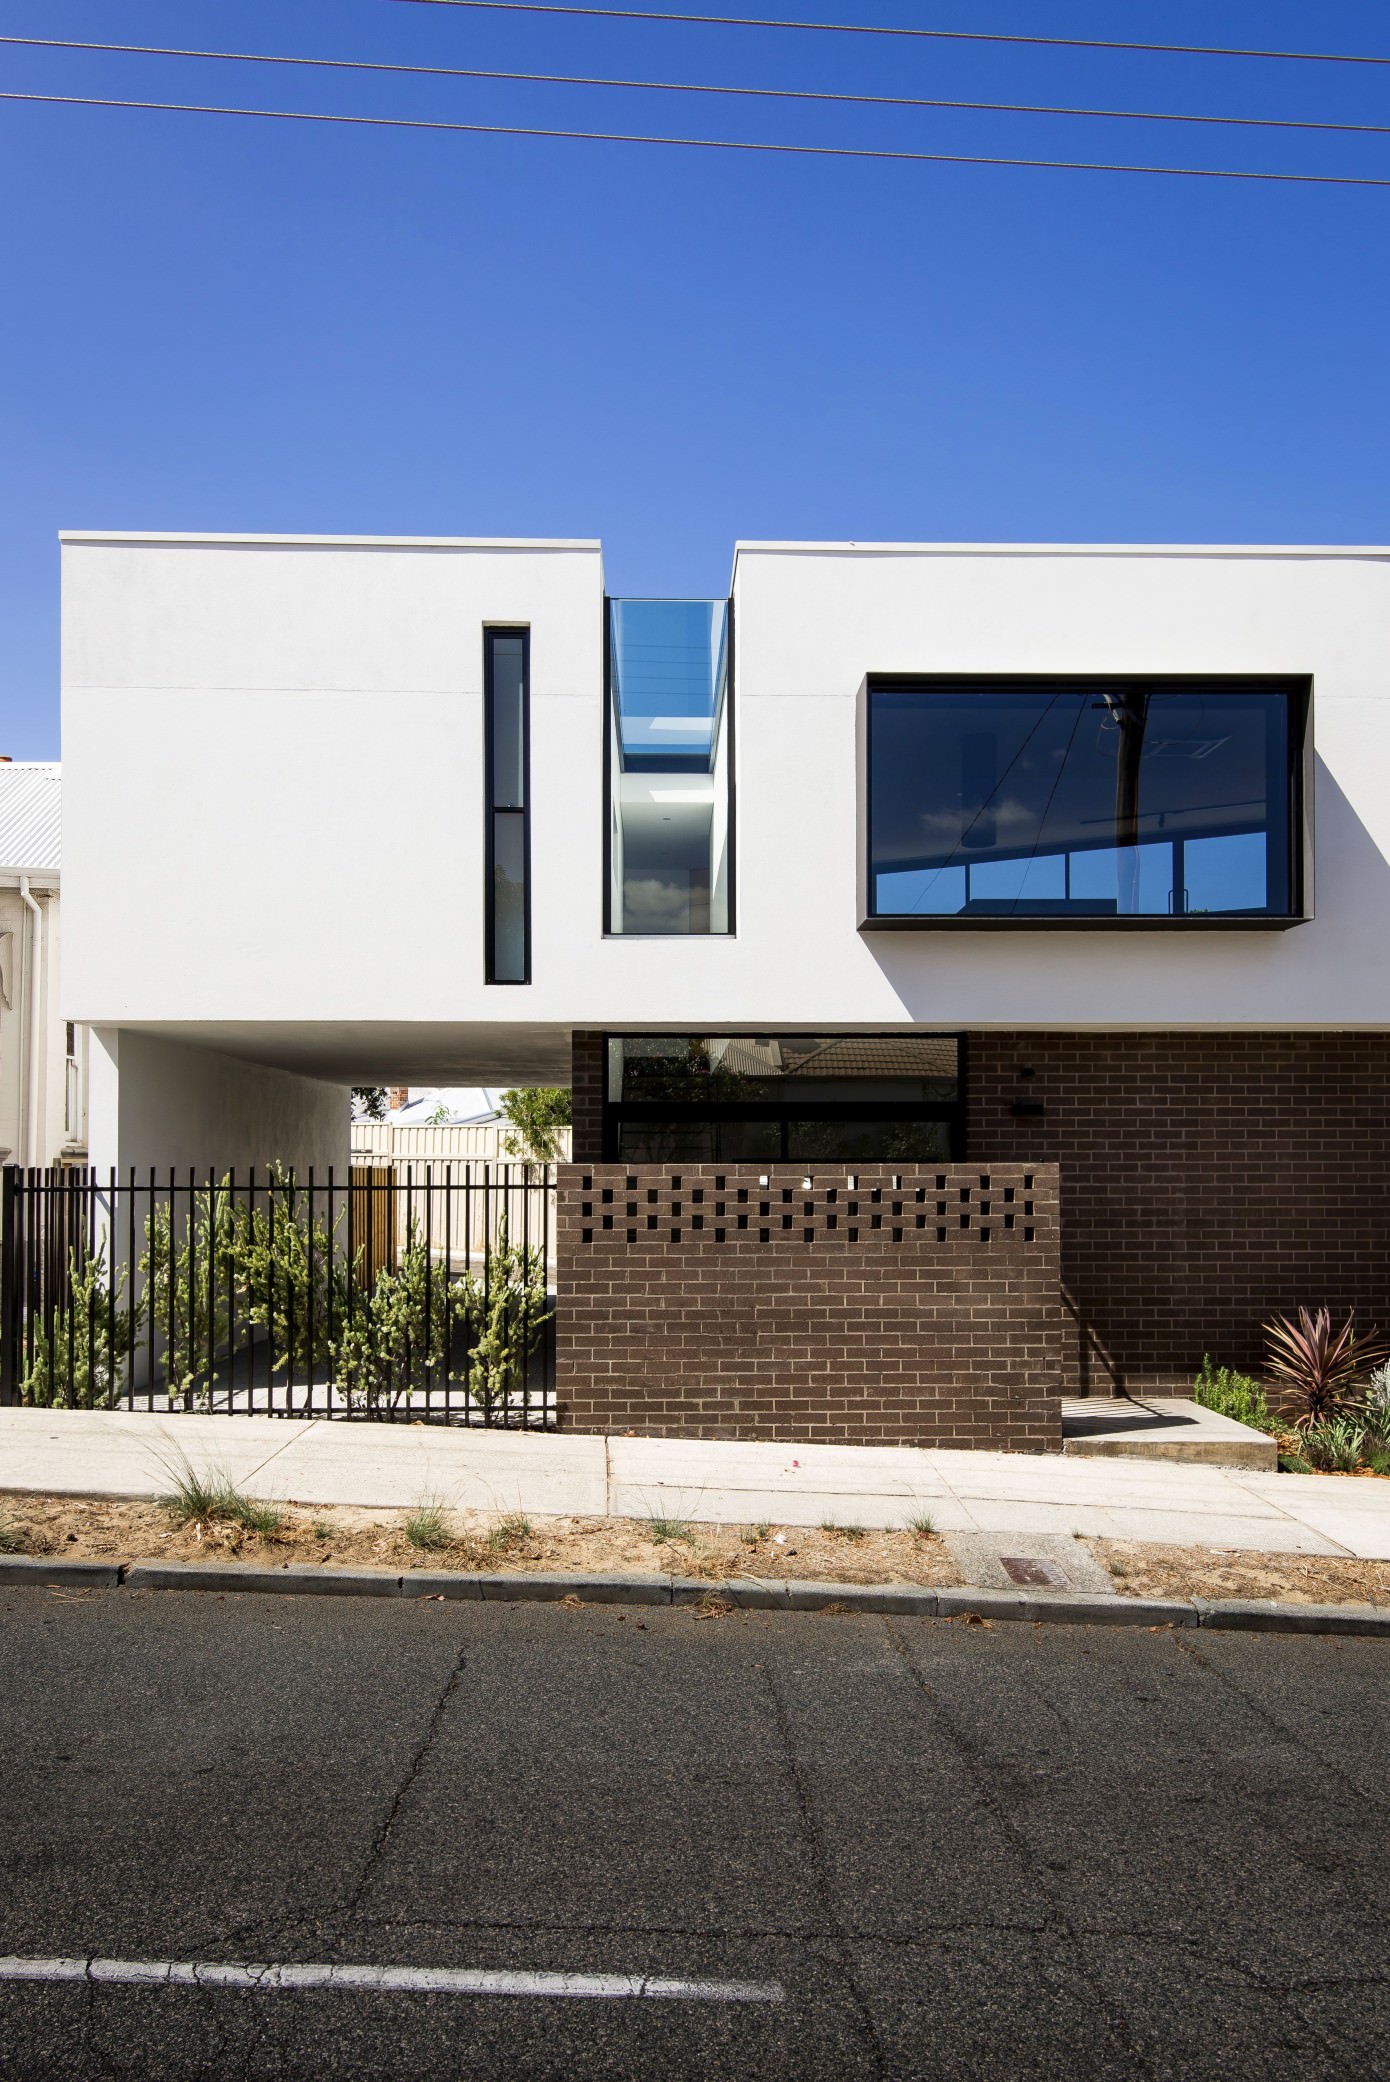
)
(506, 689)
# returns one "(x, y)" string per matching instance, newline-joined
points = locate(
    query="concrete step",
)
(1163, 1427)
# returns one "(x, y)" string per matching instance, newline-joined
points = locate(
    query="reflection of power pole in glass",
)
(1129, 712)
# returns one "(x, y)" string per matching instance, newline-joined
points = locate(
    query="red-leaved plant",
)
(1317, 1368)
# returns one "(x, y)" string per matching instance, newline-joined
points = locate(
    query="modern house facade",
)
(907, 889)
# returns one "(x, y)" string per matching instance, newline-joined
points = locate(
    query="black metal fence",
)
(418, 1291)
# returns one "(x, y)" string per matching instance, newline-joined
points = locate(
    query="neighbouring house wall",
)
(17, 985)
(168, 1103)
(1208, 1180)
(920, 1308)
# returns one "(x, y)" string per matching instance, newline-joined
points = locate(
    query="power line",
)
(706, 144)
(747, 21)
(572, 79)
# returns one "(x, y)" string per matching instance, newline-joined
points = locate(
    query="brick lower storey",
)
(1207, 1181)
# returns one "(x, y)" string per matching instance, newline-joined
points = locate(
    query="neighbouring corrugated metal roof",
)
(31, 814)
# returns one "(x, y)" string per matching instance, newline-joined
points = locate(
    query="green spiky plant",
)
(1316, 1369)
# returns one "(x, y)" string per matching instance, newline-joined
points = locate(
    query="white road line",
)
(267, 1979)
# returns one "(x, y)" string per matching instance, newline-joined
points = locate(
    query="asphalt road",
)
(959, 1851)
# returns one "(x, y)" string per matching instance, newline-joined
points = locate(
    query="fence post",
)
(9, 1288)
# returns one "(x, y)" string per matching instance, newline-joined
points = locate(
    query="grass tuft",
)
(922, 1525)
(427, 1526)
(204, 1499)
(509, 1532)
(665, 1529)
(12, 1540)
(841, 1532)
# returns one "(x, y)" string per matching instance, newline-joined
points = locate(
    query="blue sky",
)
(214, 323)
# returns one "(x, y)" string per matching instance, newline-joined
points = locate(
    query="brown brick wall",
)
(1208, 1180)
(587, 1072)
(922, 1313)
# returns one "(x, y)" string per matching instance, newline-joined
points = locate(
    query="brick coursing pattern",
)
(588, 1069)
(916, 1307)
(1209, 1180)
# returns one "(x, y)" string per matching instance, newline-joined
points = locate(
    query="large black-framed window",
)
(507, 760)
(784, 1098)
(1085, 801)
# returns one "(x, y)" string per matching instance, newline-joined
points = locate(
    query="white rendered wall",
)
(812, 625)
(274, 791)
(153, 1101)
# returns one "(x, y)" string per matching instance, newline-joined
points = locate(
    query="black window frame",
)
(1298, 689)
(491, 811)
(785, 1110)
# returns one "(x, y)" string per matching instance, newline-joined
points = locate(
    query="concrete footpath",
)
(392, 1467)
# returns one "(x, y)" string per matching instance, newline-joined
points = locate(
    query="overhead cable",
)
(705, 144)
(575, 79)
(748, 21)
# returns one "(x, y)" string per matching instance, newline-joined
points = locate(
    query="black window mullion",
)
(507, 781)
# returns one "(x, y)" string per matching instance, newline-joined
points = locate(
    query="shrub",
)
(267, 1266)
(1375, 1407)
(505, 1310)
(1336, 1446)
(291, 1282)
(402, 1329)
(1318, 1368)
(1230, 1394)
(79, 1363)
(538, 1113)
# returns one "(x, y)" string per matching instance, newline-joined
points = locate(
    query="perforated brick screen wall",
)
(1208, 1181)
(913, 1307)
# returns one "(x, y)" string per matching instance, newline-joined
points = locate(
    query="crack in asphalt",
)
(1330, 1763)
(834, 1928)
(377, 1849)
(988, 1795)
(790, 1932)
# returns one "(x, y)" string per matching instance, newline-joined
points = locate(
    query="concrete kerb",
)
(745, 1593)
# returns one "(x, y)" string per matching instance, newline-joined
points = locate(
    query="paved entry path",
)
(392, 1466)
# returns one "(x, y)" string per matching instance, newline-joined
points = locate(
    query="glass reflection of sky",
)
(1062, 800)
(667, 667)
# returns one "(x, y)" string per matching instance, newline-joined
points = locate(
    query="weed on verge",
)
(205, 1499)
(666, 1529)
(427, 1526)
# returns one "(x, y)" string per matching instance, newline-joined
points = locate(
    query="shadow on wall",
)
(1211, 1175)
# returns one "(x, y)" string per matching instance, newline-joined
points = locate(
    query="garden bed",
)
(1146, 1569)
(355, 1538)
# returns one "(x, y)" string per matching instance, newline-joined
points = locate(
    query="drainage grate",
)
(1030, 1568)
